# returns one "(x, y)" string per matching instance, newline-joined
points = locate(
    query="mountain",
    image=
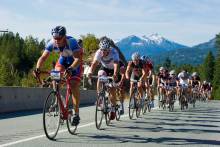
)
(151, 45)
(194, 55)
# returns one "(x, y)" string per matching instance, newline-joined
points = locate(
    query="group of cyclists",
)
(139, 69)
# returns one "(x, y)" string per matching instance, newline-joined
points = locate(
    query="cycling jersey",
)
(66, 54)
(172, 81)
(107, 61)
(195, 81)
(163, 78)
(206, 87)
(148, 65)
(183, 78)
(136, 70)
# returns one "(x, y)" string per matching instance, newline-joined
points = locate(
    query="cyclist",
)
(172, 83)
(195, 82)
(184, 82)
(136, 67)
(148, 64)
(70, 61)
(162, 78)
(121, 82)
(206, 89)
(109, 59)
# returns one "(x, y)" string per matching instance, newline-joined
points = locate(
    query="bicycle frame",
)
(63, 107)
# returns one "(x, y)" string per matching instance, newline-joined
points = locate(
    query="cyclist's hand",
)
(68, 72)
(36, 72)
(89, 75)
(115, 77)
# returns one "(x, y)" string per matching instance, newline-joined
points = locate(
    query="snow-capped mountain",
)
(154, 44)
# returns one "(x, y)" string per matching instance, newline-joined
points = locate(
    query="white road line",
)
(60, 131)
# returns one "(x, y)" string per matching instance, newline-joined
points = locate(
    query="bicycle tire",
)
(71, 129)
(54, 106)
(132, 104)
(108, 113)
(117, 112)
(138, 108)
(99, 110)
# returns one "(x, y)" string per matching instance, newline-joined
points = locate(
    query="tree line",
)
(19, 56)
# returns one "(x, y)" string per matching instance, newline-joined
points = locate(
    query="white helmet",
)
(194, 74)
(161, 68)
(104, 44)
(135, 56)
(172, 72)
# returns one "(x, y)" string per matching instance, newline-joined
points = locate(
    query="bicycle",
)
(103, 103)
(171, 98)
(195, 95)
(55, 110)
(183, 97)
(134, 102)
(146, 104)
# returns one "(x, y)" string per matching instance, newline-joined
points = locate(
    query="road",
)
(198, 126)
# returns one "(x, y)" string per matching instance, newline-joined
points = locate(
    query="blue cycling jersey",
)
(66, 52)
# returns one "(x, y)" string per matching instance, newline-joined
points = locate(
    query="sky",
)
(188, 22)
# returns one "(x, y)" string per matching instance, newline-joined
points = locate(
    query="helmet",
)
(135, 56)
(144, 58)
(104, 44)
(58, 31)
(161, 68)
(172, 72)
(194, 74)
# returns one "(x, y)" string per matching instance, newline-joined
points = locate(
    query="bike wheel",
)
(132, 104)
(117, 111)
(99, 112)
(72, 129)
(108, 111)
(163, 102)
(144, 108)
(138, 108)
(194, 100)
(149, 106)
(51, 116)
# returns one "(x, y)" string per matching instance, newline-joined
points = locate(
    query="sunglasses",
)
(105, 50)
(58, 38)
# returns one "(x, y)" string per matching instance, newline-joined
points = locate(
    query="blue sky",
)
(185, 21)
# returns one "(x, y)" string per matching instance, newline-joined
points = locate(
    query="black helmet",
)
(58, 31)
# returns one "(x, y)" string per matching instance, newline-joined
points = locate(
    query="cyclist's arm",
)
(158, 81)
(93, 66)
(42, 59)
(128, 70)
(115, 67)
(144, 74)
(77, 59)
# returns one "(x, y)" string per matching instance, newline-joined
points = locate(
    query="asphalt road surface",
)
(198, 126)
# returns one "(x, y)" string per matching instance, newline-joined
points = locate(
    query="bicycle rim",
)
(72, 129)
(51, 116)
(131, 107)
(99, 112)
(138, 108)
(108, 111)
(117, 111)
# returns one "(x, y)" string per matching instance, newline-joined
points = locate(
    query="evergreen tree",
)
(208, 67)
(167, 63)
(216, 80)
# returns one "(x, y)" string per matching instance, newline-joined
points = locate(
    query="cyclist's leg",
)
(122, 97)
(75, 84)
(100, 73)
